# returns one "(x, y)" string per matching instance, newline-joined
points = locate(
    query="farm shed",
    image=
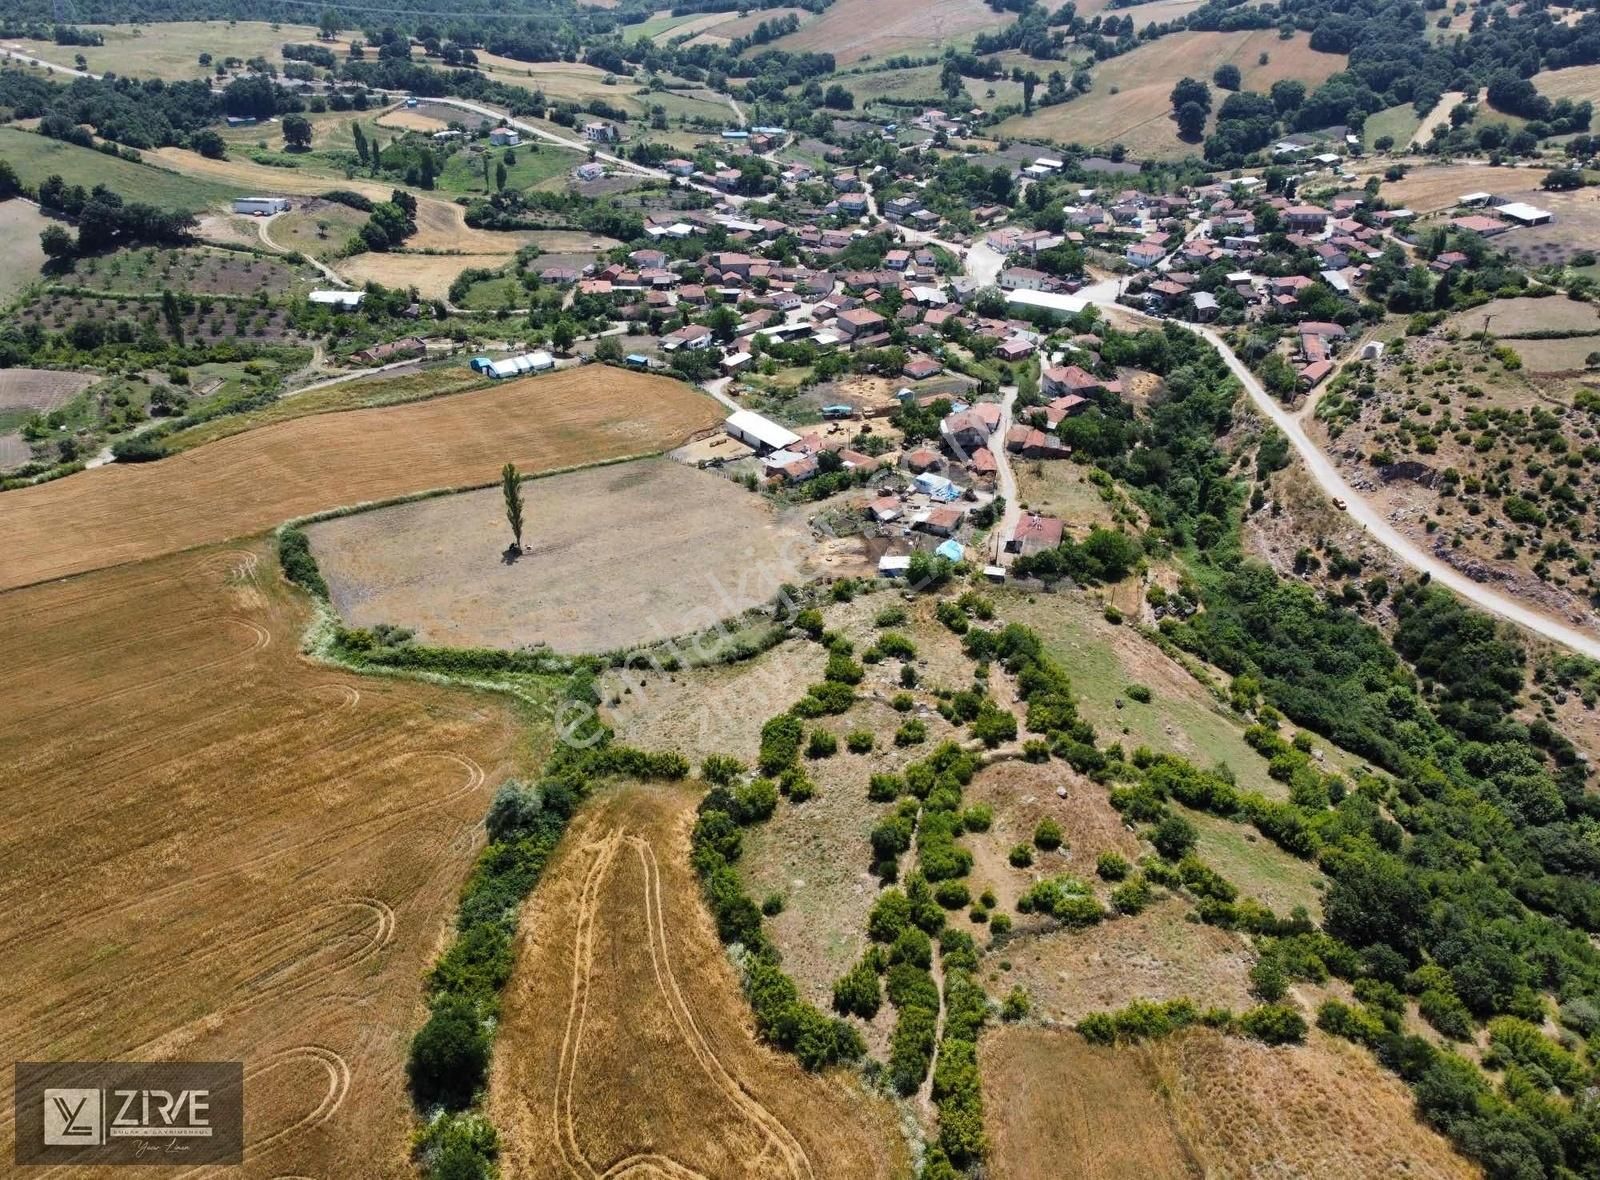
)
(761, 433)
(345, 299)
(260, 206)
(515, 366)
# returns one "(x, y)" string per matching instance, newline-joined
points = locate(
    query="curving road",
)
(1334, 486)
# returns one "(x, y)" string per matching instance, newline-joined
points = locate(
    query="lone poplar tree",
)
(511, 488)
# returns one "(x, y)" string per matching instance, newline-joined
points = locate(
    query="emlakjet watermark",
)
(130, 1112)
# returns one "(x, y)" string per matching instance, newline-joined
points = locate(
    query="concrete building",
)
(763, 434)
(260, 206)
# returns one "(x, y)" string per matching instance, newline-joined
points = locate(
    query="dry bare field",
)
(1579, 83)
(1200, 1104)
(1139, 115)
(253, 481)
(21, 256)
(1059, 1106)
(1156, 955)
(626, 1048)
(1429, 188)
(258, 855)
(1325, 1108)
(430, 274)
(41, 389)
(408, 119)
(1517, 317)
(614, 557)
(855, 29)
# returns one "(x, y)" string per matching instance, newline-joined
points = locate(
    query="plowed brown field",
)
(626, 1048)
(214, 850)
(253, 481)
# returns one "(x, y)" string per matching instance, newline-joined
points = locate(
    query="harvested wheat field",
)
(430, 274)
(854, 29)
(614, 557)
(626, 1048)
(259, 855)
(255, 480)
(1059, 1106)
(1200, 1104)
(1131, 102)
(1325, 1108)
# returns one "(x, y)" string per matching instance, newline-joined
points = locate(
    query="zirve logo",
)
(72, 1118)
(101, 1112)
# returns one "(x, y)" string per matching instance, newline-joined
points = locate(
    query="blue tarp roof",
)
(951, 549)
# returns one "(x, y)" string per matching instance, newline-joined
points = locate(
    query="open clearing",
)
(1139, 115)
(21, 256)
(262, 852)
(1579, 83)
(1325, 1108)
(1059, 1106)
(430, 274)
(1432, 187)
(625, 1046)
(852, 30)
(36, 158)
(41, 389)
(1200, 1104)
(171, 50)
(613, 557)
(256, 480)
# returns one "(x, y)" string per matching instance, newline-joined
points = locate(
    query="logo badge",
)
(72, 1118)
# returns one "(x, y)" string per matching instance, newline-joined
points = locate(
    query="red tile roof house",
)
(983, 462)
(1033, 443)
(1035, 533)
(923, 459)
(921, 368)
(965, 431)
(1144, 254)
(1484, 227)
(1014, 349)
(943, 520)
(859, 322)
(1072, 379)
(1305, 217)
(884, 509)
(1066, 406)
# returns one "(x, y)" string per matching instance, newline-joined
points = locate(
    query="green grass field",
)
(490, 294)
(535, 164)
(1257, 866)
(35, 158)
(20, 253)
(1400, 123)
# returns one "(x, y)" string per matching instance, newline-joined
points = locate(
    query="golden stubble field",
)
(1199, 1105)
(626, 1048)
(215, 850)
(253, 481)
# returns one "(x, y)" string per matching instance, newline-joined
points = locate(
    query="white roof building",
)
(1053, 301)
(338, 298)
(750, 427)
(1525, 214)
(528, 362)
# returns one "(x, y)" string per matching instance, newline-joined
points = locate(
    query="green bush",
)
(1138, 692)
(1047, 836)
(721, 769)
(1020, 856)
(1174, 837)
(978, 818)
(903, 702)
(911, 733)
(821, 744)
(857, 993)
(297, 563)
(859, 741)
(1275, 1024)
(890, 616)
(780, 743)
(772, 905)
(999, 924)
(810, 621)
(842, 669)
(885, 788)
(1132, 896)
(1112, 866)
(449, 1056)
(892, 643)
(953, 895)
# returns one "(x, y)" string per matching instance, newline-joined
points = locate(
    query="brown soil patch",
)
(1157, 955)
(1322, 1109)
(411, 119)
(854, 29)
(430, 274)
(1056, 1105)
(262, 853)
(626, 1045)
(613, 557)
(41, 389)
(255, 480)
